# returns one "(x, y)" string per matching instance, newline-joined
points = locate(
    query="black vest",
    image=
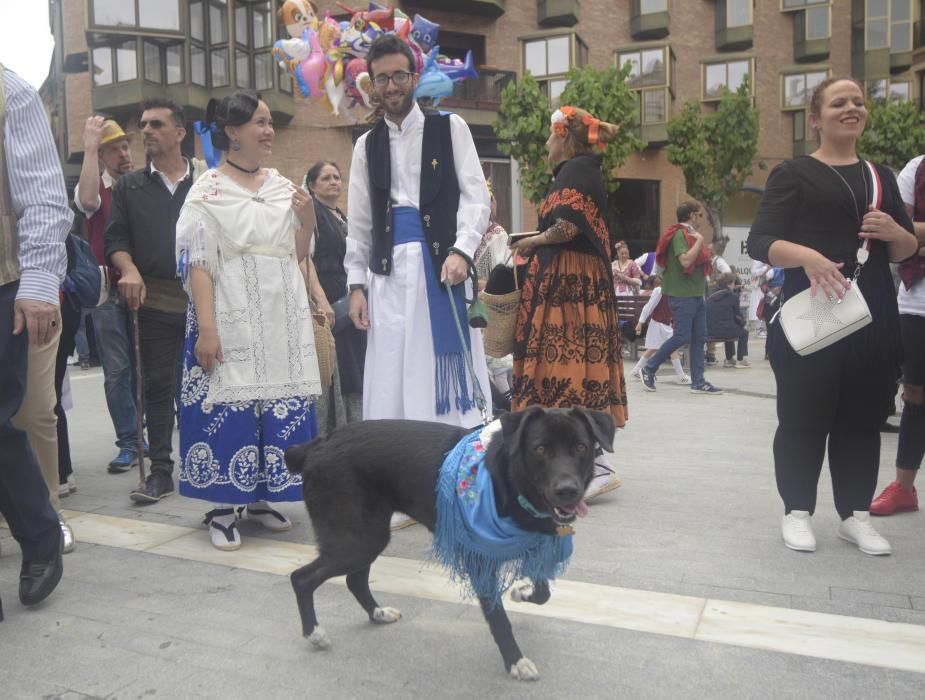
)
(439, 195)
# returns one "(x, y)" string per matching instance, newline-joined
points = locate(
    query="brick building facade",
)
(110, 54)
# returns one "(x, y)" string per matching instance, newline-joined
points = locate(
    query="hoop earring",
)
(235, 146)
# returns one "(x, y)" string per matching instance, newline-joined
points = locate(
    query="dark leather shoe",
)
(37, 579)
(158, 485)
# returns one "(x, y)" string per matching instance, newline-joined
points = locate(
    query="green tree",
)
(523, 127)
(715, 151)
(895, 133)
(523, 122)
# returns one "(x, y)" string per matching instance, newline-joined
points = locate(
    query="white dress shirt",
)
(405, 143)
(108, 182)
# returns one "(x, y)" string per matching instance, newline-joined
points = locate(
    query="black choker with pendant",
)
(243, 170)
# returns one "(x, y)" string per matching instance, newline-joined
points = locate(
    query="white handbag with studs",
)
(811, 323)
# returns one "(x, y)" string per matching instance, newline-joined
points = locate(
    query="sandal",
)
(223, 529)
(271, 519)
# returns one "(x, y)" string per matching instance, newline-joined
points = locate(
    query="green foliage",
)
(523, 122)
(523, 127)
(604, 94)
(895, 133)
(715, 151)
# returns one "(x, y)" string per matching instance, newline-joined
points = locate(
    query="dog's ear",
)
(600, 424)
(513, 424)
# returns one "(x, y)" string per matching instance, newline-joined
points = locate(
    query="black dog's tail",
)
(296, 455)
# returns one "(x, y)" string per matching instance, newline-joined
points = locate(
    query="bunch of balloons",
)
(327, 59)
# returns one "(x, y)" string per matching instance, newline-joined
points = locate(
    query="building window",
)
(103, 73)
(817, 23)
(549, 59)
(163, 63)
(730, 75)
(651, 75)
(786, 5)
(885, 89)
(209, 58)
(876, 24)
(799, 126)
(888, 24)
(900, 26)
(650, 7)
(738, 13)
(159, 15)
(798, 88)
(253, 38)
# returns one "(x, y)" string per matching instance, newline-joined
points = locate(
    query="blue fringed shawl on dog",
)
(484, 551)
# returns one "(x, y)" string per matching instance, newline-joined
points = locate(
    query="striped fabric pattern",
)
(37, 191)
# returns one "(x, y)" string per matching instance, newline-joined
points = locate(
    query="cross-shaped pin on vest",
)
(434, 164)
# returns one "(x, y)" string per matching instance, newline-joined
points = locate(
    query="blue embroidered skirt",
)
(233, 453)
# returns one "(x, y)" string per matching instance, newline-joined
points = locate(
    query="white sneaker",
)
(798, 531)
(858, 530)
(266, 515)
(400, 521)
(685, 379)
(636, 374)
(223, 529)
(604, 481)
(67, 488)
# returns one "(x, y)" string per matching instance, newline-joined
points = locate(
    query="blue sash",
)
(449, 360)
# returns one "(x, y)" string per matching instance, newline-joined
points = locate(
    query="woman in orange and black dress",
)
(567, 346)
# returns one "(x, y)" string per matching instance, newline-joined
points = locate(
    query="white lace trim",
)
(272, 392)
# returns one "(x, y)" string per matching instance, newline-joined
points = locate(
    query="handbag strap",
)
(876, 200)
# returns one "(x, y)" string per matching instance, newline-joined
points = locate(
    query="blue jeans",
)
(112, 327)
(690, 327)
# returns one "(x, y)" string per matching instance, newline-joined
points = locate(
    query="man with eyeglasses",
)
(417, 207)
(140, 243)
(686, 262)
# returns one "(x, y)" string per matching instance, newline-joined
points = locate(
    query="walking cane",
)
(139, 419)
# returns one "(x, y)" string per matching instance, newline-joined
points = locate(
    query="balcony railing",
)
(483, 92)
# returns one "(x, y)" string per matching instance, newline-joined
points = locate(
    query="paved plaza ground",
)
(680, 587)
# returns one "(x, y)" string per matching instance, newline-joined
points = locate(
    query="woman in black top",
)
(812, 219)
(342, 402)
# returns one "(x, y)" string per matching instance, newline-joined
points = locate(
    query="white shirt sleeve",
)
(359, 218)
(80, 207)
(474, 202)
(649, 308)
(906, 181)
(641, 260)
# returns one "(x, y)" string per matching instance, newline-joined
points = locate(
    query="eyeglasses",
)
(399, 77)
(153, 123)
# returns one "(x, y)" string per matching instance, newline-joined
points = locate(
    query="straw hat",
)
(113, 132)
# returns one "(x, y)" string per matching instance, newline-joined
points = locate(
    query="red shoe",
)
(895, 499)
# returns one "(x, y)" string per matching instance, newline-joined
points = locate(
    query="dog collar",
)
(530, 508)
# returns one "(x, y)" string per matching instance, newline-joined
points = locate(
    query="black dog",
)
(358, 476)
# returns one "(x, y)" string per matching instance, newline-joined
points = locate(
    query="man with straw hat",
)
(106, 158)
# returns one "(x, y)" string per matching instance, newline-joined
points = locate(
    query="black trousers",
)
(161, 347)
(833, 398)
(70, 322)
(23, 494)
(742, 343)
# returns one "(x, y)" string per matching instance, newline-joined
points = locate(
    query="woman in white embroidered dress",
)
(250, 369)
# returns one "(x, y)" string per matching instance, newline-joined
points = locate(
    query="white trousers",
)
(400, 366)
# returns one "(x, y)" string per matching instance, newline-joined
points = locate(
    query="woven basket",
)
(324, 348)
(498, 337)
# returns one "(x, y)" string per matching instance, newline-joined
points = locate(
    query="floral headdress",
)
(564, 116)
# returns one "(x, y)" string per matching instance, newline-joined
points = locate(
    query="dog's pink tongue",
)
(581, 510)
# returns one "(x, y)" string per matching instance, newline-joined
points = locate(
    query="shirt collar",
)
(108, 180)
(163, 174)
(413, 117)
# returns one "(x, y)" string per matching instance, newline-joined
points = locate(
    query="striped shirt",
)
(37, 188)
